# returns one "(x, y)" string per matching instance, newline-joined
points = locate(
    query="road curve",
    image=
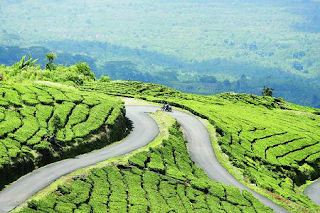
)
(201, 152)
(313, 191)
(145, 129)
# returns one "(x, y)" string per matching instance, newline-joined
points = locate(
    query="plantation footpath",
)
(41, 124)
(272, 145)
(162, 179)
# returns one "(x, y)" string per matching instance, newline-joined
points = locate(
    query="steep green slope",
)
(40, 124)
(163, 179)
(272, 143)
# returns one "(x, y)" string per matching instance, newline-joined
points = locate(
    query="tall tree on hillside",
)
(50, 58)
(266, 91)
(84, 68)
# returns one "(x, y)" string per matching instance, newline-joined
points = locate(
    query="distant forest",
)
(203, 47)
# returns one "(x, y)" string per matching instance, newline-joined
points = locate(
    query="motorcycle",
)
(166, 109)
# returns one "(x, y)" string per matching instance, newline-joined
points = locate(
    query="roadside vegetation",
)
(27, 69)
(162, 179)
(272, 143)
(269, 143)
(40, 124)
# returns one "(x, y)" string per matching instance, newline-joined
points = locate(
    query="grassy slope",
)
(169, 181)
(40, 124)
(271, 143)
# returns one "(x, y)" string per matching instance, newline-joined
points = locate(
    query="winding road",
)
(144, 131)
(313, 191)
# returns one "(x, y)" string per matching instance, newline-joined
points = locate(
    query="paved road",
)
(313, 191)
(202, 154)
(145, 129)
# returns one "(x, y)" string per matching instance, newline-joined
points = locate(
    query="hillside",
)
(85, 121)
(204, 47)
(267, 143)
(271, 143)
(160, 179)
(40, 124)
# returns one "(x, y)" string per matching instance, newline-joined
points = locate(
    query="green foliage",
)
(156, 163)
(27, 71)
(140, 187)
(266, 139)
(97, 116)
(12, 122)
(43, 114)
(113, 116)
(277, 47)
(49, 58)
(139, 159)
(266, 91)
(83, 68)
(25, 64)
(79, 114)
(27, 130)
(56, 123)
(104, 79)
(39, 121)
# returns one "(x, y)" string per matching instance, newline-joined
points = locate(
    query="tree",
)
(84, 68)
(266, 91)
(104, 79)
(50, 58)
(24, 64)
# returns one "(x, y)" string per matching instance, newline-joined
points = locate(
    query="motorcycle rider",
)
(166, 106)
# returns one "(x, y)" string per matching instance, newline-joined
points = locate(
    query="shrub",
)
(104, 79)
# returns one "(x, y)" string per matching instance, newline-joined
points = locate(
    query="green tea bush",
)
(11, 122)
(97, 116)
(40, 122)
(138, 187)
(156, 163)
(267, 140)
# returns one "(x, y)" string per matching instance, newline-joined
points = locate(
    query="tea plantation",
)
(163, 179)
(272, 143)
(40, 124)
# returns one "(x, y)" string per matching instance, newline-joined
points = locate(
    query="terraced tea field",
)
(163, 179)
(272, 143)
(40, 124)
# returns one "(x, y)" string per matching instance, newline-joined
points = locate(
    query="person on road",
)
(167, 106)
